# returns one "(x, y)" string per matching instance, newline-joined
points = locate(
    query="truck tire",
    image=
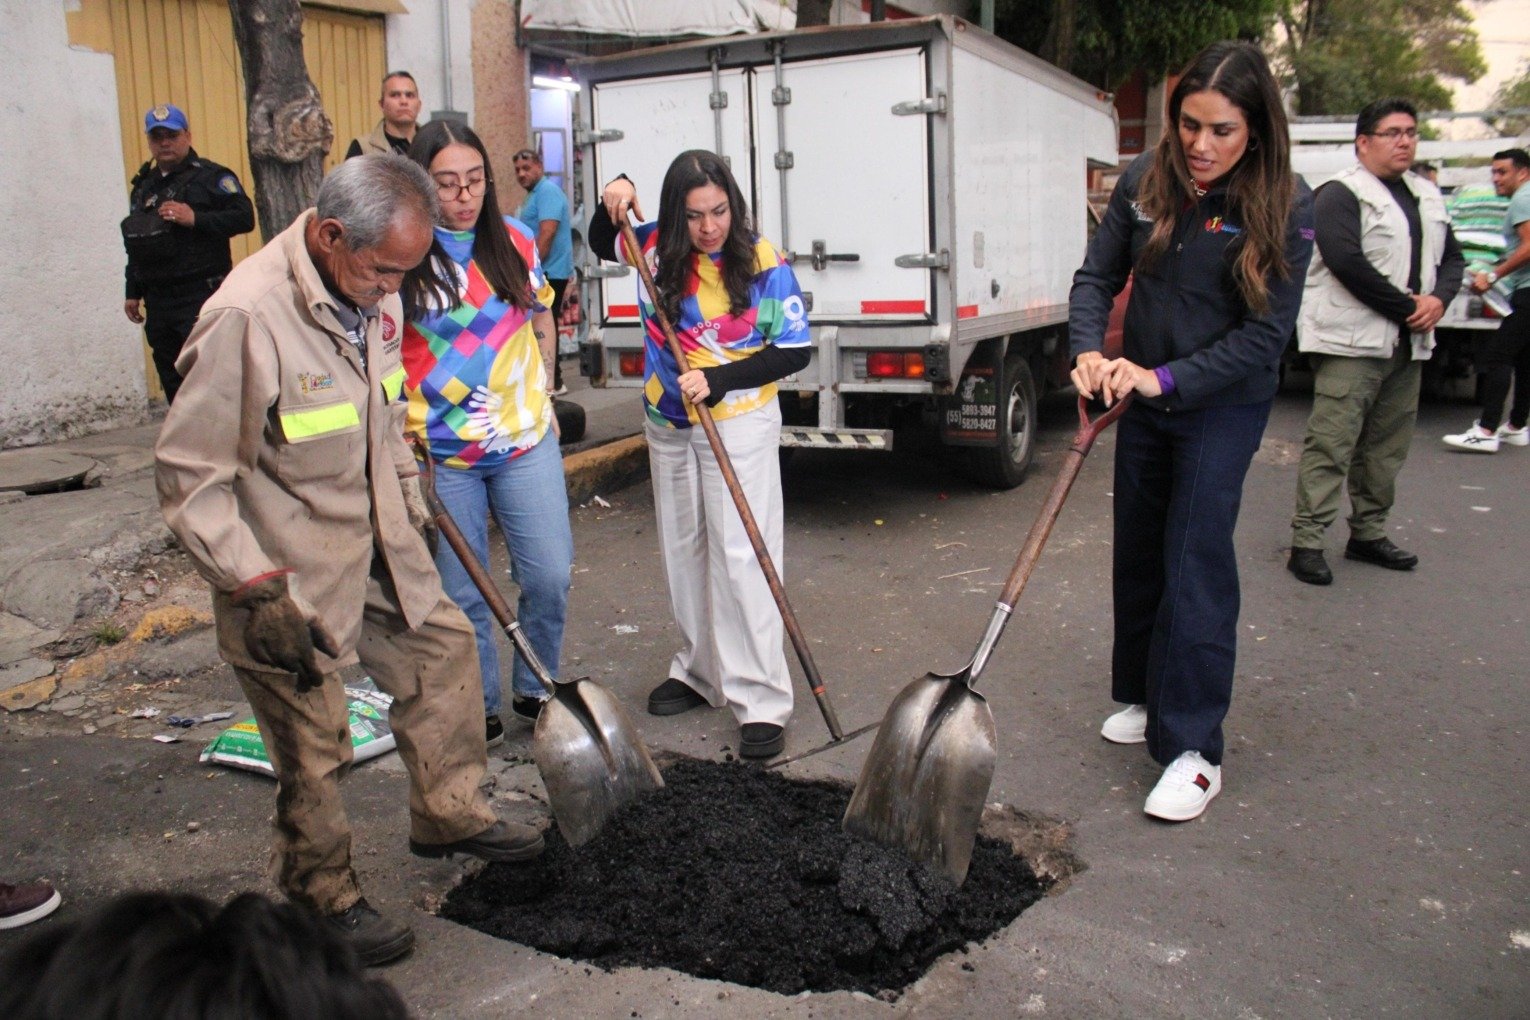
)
(570, 421)
(1003, 465)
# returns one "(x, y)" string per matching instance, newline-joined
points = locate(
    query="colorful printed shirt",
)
(711, 335)
(476, 385)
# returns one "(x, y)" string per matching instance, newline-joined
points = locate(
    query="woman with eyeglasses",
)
(1216, 232)
(478, 344)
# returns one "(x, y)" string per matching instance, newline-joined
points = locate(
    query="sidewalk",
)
(68, 556)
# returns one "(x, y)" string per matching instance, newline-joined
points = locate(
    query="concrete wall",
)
(500, 82)
(415, 44)
(72, 363)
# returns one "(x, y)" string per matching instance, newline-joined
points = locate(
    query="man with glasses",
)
(1507, 355)
(182, 213)
(1385, 267)
(283, 471)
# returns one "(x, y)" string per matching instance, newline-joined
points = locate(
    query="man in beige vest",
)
(1385, 267)
(282, 469)
(400, 105)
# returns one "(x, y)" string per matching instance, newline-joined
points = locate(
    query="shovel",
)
(589, 754)
(923, 785)
(704, 413)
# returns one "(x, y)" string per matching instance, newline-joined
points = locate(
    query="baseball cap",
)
(164, 116)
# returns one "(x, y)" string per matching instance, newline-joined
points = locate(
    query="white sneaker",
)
(1187, 786)
(1514, 437)
(1128, 726)
(1474, 440)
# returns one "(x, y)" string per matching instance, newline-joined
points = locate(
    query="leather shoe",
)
(502, 841)
(673, 697)
(761, 740)
(376, 939)
(1381, 552)
(1309, 565)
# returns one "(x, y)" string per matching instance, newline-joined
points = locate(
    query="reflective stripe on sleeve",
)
(318, 421)
(393, 384)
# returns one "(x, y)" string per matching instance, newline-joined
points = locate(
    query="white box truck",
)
(929, 183)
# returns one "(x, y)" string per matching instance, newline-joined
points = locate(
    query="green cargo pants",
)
(437, 717)
(1363, 410)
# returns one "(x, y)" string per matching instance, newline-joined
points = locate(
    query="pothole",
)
(741, 875)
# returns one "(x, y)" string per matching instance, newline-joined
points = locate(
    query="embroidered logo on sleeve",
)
(229, 183)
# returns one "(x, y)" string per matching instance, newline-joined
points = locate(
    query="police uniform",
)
(187, 265)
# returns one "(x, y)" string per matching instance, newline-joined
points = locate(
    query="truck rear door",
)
(660, 118)
(856, 184)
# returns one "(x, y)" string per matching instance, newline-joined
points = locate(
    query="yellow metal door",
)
(183, 52)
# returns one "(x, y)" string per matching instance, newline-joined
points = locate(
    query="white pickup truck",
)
(927, 180)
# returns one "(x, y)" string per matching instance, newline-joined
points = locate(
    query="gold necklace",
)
(1200, 189)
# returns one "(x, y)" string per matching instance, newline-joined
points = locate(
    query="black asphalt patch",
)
(742, 875)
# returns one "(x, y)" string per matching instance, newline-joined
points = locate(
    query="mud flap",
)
(969, 417)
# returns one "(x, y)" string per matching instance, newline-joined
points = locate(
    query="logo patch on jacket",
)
(1216, 225)
(229, 183)
(315, 382)
(389, 327)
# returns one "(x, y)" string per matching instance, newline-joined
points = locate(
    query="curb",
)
(605, 468)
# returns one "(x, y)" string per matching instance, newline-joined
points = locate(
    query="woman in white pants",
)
(738, 312)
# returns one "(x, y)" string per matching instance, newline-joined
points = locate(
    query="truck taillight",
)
(630, 363)
(894, 365)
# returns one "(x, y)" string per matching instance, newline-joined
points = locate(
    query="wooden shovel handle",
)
(1088, 431)
(704, 413)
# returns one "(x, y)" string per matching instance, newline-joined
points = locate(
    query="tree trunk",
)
(1057, 47)
(813, 12)
(289, 133)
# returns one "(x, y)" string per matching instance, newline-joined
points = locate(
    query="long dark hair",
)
(690, 170)
(429, 284)
(1260, 188)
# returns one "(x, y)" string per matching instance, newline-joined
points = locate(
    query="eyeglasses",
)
(449, 191)
(1392, 135)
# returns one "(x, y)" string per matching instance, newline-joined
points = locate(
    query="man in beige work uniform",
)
(283, 471)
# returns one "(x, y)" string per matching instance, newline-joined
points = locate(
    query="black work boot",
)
(1381, 552)
(376, 939)
(502, 841)
(1309, 565)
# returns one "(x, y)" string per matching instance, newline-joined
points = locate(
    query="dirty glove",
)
(420, 517)
(277, 633)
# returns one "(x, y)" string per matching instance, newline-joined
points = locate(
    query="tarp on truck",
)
(658, 18)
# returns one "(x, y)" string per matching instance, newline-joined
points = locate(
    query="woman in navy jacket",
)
(1216, 232)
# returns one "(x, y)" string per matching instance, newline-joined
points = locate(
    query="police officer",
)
(183, 211)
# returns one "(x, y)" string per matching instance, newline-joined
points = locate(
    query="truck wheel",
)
(570, 421)
(1004, 464)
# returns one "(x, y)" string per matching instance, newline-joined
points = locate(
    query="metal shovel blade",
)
(592, 761)
(923, 785)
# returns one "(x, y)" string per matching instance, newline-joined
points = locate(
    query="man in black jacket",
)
(182, 213)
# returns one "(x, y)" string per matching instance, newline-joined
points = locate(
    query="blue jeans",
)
(1179, 483)
(530, 503)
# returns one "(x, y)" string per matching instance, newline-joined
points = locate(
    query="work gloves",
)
(420, 517)
(278, 634)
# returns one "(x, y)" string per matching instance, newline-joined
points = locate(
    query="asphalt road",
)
(1366, 856)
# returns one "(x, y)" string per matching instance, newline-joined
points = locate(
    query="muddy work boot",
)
(376, 939)
(502, 841)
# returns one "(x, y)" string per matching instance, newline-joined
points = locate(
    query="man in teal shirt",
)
(1507, 354)
(545, 211)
